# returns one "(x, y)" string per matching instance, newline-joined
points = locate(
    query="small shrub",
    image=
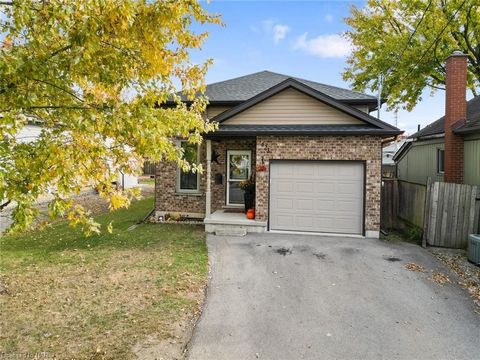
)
(173, 216)
(414, 233)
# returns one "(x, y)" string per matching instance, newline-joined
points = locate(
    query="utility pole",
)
(379, 97)
(396, 125)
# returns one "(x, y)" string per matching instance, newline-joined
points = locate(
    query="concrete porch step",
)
(228, 230)
(234, 224)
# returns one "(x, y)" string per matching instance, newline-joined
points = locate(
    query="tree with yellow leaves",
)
(94, 74)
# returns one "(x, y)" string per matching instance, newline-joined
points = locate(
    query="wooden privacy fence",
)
(402, 200)
(411, 202)
(388, 205)
(148, 168)
(451, 214)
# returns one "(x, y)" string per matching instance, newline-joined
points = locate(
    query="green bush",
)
(414, 233)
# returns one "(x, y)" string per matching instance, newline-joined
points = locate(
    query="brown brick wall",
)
(166, 197)
(365, 147)
(221, 147)
(455, 111)
(168, 200)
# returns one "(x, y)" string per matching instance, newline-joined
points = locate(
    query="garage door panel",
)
(286, 172)
(346, 224)
(304, 171)
(324, 196)
(324, 187)
(286, 220)
(304, 187)
(325, 171)
(304, 204)
(346, 207)
(348, 172)
(283, 186)
(348, 188)
(284, 204)
(321, 204)
(304, 221)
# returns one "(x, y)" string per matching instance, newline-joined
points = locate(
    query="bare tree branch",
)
(5, 204)
(59, 88)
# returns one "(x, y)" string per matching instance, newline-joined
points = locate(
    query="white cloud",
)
(276, 30)
(280, 32)
(325, 46)
(329, 18)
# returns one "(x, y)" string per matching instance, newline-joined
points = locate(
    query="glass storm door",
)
(238, 170)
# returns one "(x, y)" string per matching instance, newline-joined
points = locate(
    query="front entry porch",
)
(229, 222)
(229, 162)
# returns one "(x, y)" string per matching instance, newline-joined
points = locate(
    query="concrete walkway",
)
(277, 296)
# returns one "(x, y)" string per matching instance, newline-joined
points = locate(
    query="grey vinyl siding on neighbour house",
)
(471, 146)
(420, 162)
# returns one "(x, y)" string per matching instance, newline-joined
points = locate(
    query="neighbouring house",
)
(32, 131)
(389, 169)
(314, 151)
(449, 148)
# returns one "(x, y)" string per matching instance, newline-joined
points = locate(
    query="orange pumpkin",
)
(251, 214)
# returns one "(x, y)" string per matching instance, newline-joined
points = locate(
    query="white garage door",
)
(318, 196)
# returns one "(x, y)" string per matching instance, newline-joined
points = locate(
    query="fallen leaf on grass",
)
(440, 278)
(414, 267)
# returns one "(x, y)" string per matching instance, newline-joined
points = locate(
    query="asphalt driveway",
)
(275, 296)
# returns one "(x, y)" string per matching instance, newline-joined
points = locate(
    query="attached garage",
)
(317, 196)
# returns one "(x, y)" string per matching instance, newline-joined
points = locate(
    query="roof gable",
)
(306, 90)
(291, 107)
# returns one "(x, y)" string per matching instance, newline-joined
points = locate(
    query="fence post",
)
(426, 212)
(395, 204)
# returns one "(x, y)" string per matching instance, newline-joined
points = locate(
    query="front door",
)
(238, 170)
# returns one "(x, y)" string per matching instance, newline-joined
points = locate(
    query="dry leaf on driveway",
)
(440, 278)
(414, 267)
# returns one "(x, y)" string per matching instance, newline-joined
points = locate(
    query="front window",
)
(440, 161)
(188, 181)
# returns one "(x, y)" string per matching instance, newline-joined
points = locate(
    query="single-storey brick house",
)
(313, 149)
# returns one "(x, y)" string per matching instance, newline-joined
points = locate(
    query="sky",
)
(297, 38)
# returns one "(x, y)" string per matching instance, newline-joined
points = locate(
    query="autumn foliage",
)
(93, 75)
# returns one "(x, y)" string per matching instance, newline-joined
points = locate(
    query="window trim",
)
(178, 173)
(439, 170)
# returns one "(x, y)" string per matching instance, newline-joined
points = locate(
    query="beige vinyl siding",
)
(215, 110)
(291, 107)
(420, 162)
(471, 149)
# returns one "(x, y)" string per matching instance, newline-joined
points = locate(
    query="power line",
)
(412, 34)
(436, 38)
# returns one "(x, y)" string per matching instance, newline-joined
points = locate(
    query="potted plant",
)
(248, 186)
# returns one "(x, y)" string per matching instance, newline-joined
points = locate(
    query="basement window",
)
(440, 161)
(188, 181)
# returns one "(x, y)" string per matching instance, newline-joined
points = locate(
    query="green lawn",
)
(77, 297)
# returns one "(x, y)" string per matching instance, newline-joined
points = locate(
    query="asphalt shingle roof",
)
(437, 127)
(245, 87)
